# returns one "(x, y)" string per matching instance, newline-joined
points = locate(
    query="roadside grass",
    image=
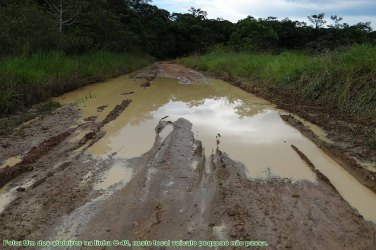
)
(372, 141)
(26, 80)
(344, 80)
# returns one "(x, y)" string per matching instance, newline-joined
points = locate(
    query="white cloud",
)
(353, 11)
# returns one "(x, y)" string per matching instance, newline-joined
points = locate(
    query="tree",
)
(26, 27)
(77, 26)
(337, 20)
(251, 35)
(201, 14)
(364, 26)
(59, 9)
(317, 20)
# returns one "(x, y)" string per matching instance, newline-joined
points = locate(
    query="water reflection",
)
(251, 130)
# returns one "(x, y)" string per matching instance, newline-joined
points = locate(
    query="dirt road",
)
(166, 154)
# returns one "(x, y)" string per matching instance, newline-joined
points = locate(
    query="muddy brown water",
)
(247, 128)
(117, 174)
(11, 161)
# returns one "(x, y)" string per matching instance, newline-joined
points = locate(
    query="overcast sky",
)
(353, 11)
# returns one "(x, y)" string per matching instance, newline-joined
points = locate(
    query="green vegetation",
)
(25, 80)
(11, 123)
(31, 31)
(79, 26)
(344, 80)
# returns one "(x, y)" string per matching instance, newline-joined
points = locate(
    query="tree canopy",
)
(78, 26)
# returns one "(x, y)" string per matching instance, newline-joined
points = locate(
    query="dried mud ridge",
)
(176, 193)
(169, 69)
(55, 177)
(8, 173)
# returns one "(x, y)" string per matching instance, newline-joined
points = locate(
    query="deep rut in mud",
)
(168, 154)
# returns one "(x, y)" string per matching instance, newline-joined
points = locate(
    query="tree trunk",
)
(61, 17)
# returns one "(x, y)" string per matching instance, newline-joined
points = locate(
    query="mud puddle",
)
(118, 174)
(11, 161)
(246, 127)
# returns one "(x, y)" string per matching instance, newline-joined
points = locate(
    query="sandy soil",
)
(165, 197)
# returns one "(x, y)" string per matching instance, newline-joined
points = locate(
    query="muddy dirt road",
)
(169, 154)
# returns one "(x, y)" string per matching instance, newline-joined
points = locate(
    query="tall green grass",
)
(344, 80)
(25, 80)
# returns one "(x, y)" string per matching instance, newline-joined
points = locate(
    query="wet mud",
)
(223, 203)
(348, 135)
(186, 158)
(365, 176)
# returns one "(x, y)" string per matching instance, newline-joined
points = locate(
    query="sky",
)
(352, 11)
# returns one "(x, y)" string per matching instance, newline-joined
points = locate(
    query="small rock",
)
(145, 85)
(231, 212)
(21, 189)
